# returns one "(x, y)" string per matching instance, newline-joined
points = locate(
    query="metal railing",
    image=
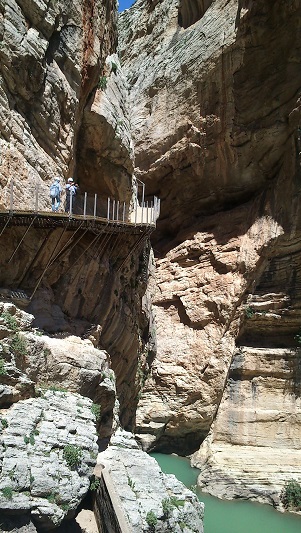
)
(89, 206)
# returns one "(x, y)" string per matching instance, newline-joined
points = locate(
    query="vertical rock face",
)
(64, 111)
(210, 121)
(52, 56)
(215, 111)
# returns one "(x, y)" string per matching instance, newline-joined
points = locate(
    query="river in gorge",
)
(224, 516)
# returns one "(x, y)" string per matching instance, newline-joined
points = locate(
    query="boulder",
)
(48, 448)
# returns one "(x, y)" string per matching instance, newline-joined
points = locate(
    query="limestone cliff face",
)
(52, 56)
(215, 112)
(64, 111)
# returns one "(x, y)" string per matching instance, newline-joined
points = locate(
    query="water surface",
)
(222, 516)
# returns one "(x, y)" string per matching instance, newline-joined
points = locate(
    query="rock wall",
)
(210, 106)
(53, 56)
(64, 111)
(215, 112)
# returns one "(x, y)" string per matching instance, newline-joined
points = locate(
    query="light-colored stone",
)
(33, 464)
(259, 417)
(142, 487)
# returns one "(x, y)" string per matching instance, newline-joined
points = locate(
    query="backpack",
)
(54, 190)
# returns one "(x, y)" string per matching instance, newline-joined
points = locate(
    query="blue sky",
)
(124, 4)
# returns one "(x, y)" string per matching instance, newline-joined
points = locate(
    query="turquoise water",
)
(222, 516)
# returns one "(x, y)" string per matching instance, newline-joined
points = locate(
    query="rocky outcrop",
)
(48, 451)
(259, 413)
(64, 111)
(32, 362)
(146, 492)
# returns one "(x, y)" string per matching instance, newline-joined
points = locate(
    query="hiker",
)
(71, 190)
(55, 194)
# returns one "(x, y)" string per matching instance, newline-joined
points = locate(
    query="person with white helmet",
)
(71, 190)
(55, 194)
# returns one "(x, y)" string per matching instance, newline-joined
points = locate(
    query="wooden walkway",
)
(101, 220)
(53, 220)
(90, 211)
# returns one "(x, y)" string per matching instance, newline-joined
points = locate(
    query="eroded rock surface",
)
(32, 361)
(48, 451)
(215, 125)
(52, 56)
(143, 488)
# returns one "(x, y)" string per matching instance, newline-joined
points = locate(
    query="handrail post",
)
(151, 213)
(147, 212)
(108, 213)
(117, 211)
(113, 214)
(11, 202)
(71, 202)
(143, 191)
(85, 205)
(95, 205)
(37, 198)
(142, 213)
(123, 212)
(136, 209)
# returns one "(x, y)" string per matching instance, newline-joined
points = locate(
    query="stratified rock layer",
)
(214, 92)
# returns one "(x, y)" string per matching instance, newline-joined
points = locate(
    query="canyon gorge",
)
(187, 334)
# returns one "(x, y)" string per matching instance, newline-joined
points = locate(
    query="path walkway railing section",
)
(90, 206)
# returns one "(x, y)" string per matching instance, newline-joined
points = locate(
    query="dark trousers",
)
(68, 203)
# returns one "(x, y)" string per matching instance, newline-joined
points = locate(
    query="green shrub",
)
(291, 495)
(4, 423)
(65, 507)
(30, 439)
(57, 388)
(131, 483)
(51, 497)
(113, 67)
(96, 410)
(102, 84)
(167, 507)
(168, 504)
(176, 503)
(7, 492)
(3, 370)
(18, 345)
(249, 312)
(10, 321)
(72, 455)
(94, 483)
(151, 520)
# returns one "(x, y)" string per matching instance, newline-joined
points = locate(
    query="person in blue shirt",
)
(55, 194)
